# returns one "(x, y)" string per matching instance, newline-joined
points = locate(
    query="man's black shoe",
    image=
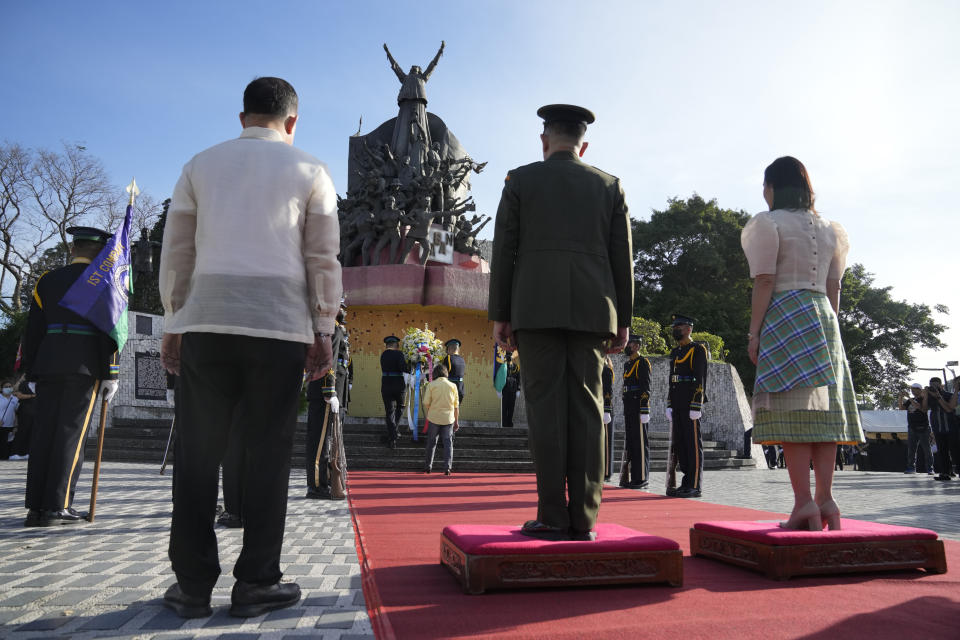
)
(672, 492)
(62, 516)
(34, 518)
(637, 485)
(585, 536)
(392, 444)
(185, 605)
(688, 493)
(943, 477)
(536, 529)
(317, 494)
(250, 600)
(426, 470)
(447, 472)
(230, 520)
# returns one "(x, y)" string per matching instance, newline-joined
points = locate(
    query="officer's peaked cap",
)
(452, 341)
(391, 339)
(91, 234)
(634, 338)
(565, 113)
(682, 319)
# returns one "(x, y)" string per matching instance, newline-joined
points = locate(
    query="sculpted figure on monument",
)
(417, 235)
(412, 101)
(388, 228)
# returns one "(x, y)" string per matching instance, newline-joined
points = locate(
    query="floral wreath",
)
(417, 343)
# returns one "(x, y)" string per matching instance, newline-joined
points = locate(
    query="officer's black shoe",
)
(427, 470)
(536, 529)
(672, 492)
(392, 444)
(637, 485)
(317, 494)
(185, 605)
(583, 536)
(34, 518)
(230, 520)
(250, 600)
(688, 493)
(447, 472)
(62, 516)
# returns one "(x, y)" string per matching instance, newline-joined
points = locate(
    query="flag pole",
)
(96, 465)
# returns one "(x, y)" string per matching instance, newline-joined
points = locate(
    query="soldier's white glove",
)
(499, 394)
(518, 394)
(408, 379)
(669, 414)
(171, 397)
(696, 415)
(108, 389)
(334, 403)
(644, 418)
(607, 419)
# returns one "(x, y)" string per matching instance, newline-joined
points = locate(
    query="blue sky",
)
(690, 97)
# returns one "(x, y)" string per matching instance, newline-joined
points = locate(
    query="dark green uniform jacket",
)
(562, 255)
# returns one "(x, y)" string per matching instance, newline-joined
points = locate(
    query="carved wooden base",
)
(479, 573)
(781, 562)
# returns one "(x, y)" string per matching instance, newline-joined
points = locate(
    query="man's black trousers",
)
(260, 378)
(393, 408)
(687, 445)
(637, 444)
(64, 408)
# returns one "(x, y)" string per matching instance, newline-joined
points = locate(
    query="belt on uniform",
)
(390, 374)
(632, 387)
(342, 361)
(682, 379)
(72, 329)
(455, 379)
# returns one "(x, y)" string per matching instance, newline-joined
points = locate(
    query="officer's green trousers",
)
(564, 399)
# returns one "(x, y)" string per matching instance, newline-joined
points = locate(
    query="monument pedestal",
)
(485, 557)
(781, 553)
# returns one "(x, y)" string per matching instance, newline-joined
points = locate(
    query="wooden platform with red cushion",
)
(484, 557)
(781, 553)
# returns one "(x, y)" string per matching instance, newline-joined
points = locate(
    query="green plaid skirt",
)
(838, 421)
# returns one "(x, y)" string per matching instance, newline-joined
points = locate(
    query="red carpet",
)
(399, 517)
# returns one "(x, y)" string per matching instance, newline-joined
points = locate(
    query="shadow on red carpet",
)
(399, 517)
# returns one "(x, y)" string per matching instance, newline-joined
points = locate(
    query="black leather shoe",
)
(185, 605)
(585, 536)
(62, 516)
(230, 520)
(34, 518)
(317, 494)
(250, 600)
(392, 444)
(688, 493)
(672, 492)
(427, 470)
(447, 472)
(536, 529)
(637, 485)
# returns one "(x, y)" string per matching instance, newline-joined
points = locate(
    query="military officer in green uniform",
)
(561, 290)
(71, 361)
(332, 392)
(455, 364)
(685, 398)
(636, 415)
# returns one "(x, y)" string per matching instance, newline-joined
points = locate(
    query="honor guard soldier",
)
(324, 428)
(456, 367)
(636, 415)
(561, 291)
(71, 361)
(392, 366)
(607, 378)
(688, 378)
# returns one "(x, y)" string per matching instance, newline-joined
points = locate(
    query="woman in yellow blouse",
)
(441, 401)
(803, 395)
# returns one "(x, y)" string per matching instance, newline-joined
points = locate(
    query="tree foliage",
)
(879, 333)
(650, 334)
(42, 193)
(687, 259)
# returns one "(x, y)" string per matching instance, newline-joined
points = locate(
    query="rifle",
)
(323, 436)
(166, 452)
(338, 461)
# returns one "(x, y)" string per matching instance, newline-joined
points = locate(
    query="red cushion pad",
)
(488, 540)
(768, 532)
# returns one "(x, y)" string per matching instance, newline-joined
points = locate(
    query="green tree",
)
(688, 259)
(14, 324)
(879, 333)
(651, 338)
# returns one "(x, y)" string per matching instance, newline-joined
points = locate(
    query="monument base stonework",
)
(487, 557)
(782, 553)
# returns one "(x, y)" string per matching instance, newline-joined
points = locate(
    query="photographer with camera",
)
(914, 402)
(943, 421)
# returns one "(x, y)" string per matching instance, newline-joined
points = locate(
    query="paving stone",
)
(311, 582)
(357, 636)
(20, 598)
(351, 582)
(91, 580)
(18, 567)
(337, 570)
(137, 568)
(46, 624)
(127, 596)
(321, 600)
(98, 567)
(133, 582)
(359, 600)
(282, 619)
(70, 598)
(336, 620)
(110, 621)
(9, 615)
(56, 567)
(43, 581)
(222, 618)
(165, 619)
(298, 569)
(238, 636)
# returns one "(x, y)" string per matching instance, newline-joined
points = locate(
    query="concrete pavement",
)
(105, 579)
